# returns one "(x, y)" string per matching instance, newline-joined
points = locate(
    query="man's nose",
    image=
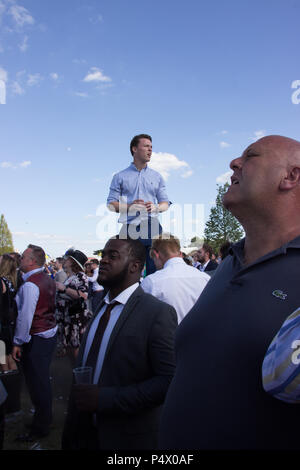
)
(236, 163)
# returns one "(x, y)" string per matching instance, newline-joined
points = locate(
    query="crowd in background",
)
(78, 274)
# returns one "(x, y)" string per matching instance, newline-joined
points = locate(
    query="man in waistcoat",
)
(35, 337)
(216, 399)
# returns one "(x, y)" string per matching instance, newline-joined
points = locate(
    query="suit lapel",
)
(128, 308)
(84, 338)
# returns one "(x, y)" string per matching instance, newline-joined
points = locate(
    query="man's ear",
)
(135, 266)
(291, 179)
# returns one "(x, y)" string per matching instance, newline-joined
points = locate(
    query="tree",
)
(6, 242)
(196, 241)
(222, 226)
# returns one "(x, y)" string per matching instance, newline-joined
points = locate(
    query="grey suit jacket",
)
(138, 367)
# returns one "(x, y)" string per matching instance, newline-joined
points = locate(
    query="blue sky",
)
(205, 79)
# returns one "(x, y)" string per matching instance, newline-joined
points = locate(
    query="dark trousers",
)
(144, 232)
(36, 360)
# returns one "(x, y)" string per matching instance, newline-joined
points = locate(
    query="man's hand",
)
(151, 207)
(17, 353)
(86, 397)
(138, 205)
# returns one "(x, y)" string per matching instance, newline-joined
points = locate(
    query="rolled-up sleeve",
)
(114, 190)
(162, 192)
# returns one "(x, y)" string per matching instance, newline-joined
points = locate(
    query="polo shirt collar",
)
(237, 251)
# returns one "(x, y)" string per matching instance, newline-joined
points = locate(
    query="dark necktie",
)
(95, 347)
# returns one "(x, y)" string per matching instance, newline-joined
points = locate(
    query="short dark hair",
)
(94, 261)
(60, 260)
(135, 141)
(137, 249)
(207, 248)
(224, 249)
(38, 254)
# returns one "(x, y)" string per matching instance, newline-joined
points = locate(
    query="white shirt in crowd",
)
(93, 279)
(177, 284)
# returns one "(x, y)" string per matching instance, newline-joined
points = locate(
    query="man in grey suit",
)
(60, 276)
(133, 364)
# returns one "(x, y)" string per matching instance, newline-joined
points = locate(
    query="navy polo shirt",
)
(216, 399)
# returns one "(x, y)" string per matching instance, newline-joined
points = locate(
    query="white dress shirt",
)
(93, 279)
(27, 298)
(114, 316)
(177, 284)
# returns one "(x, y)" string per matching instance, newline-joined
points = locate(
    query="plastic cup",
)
(83, 375)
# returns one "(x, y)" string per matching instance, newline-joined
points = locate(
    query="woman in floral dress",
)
(72, 314)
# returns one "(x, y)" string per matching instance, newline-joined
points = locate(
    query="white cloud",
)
(3, 75)
(80, 94)
(54, 76)
(34, 79)
(224, 145)
(259, 134)
(224, 132)
(97, 19)
(96, 75)
(6, 165)
(187, 174)
(69, 149)
(225, 178)
(165, 163)
(17, 89)
(24, 44)
(25, 164)
(79, 61)
(21, 15)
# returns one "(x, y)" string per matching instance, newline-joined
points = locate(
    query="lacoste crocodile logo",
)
(279, 294)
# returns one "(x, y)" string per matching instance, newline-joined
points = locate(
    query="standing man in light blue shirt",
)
(138, 193)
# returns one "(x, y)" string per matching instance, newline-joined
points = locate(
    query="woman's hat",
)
(77, 256)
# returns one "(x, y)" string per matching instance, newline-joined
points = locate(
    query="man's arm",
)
(281, 365)
(26, 299)
(149, 393)
(94, 277)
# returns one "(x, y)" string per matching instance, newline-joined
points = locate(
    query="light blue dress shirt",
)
(131, 184)
(27, 298)
(114, 316)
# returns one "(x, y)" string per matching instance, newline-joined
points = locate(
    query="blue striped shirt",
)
(281, 365)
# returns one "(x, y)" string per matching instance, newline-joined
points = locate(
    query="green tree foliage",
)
(6, 242)
(222, 226)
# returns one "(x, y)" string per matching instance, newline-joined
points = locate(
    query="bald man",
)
(217, 399)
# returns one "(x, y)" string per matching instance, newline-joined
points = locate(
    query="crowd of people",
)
(187, 351)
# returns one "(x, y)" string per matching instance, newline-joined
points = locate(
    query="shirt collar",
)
(123, 296)
(175, 260)
(133, 167)
(205, 264)
(237, 250)
(27, 275)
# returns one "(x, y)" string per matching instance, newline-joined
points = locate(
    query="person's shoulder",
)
(153, 172)
(153, 304)
(123, 172)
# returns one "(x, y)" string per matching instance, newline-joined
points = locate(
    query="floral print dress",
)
(72, 315)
